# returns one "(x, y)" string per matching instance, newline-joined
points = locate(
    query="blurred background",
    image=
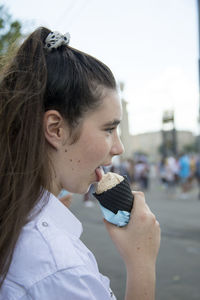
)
(152, 47)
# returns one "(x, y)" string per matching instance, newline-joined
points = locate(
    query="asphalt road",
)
(178, 264)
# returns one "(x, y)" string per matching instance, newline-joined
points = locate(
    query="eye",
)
(110, 130)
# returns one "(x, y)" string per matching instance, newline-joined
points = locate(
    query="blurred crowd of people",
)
(183, 171)
(136, 170)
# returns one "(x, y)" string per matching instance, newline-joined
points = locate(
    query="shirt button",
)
(45, 224)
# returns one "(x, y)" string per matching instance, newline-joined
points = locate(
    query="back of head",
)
(37, 80)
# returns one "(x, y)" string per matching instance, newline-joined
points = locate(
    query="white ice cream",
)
(108, 181)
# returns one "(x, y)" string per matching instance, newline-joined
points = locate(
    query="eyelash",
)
(110, 130)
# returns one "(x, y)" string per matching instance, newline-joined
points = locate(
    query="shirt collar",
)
(52, 208)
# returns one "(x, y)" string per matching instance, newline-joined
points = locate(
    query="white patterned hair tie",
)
(55, 40)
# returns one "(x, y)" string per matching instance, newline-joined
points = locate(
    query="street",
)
(178, 264)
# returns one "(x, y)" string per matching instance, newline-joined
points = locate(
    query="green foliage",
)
(10, 34)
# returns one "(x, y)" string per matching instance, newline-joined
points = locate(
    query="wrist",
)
(141, 280)
(138, 265)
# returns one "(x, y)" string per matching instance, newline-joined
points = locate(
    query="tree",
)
(10, 34)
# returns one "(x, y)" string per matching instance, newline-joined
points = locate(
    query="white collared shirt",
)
(51, 263)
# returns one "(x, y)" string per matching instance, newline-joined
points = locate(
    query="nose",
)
(118, 147)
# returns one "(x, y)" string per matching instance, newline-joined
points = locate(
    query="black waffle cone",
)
(117, 198)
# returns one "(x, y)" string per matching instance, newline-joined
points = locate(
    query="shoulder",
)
(49, 257)
(42, 250)
(49, 264)
(76, 283)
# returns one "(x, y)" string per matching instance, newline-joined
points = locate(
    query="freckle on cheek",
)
(79, 161)
(65, 150)
(70, 159)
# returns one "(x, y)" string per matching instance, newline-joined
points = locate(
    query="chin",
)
(83, 189)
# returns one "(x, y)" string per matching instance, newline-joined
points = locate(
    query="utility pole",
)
(198, 137)
(169, 141)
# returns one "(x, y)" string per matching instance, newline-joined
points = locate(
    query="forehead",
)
(109, 109)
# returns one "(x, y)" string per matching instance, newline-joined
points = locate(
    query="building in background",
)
(149, 143)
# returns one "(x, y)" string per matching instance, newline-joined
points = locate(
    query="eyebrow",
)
(112, 123)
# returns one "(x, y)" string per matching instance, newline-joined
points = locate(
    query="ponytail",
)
(23, 163)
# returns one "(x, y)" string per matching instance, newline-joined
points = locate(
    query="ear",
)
(55, 129)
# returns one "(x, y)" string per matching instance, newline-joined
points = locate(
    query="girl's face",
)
(98, 143)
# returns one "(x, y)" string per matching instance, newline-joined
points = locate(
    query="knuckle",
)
(153, 218)
(144, 216)
(157, 224)
(148, 217)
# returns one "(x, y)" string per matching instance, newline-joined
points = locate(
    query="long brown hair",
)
(65, 79)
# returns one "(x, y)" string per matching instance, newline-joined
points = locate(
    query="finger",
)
(139, 202)
(138, 195)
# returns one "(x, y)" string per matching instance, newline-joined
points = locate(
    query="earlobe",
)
(54, 130)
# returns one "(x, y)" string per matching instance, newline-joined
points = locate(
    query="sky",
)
(150, 45)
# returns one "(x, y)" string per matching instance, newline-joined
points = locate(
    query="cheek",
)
(96, 151)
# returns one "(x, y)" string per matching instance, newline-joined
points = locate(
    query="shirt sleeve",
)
(71, 284)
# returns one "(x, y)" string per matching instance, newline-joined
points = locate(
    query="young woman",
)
(59, 112)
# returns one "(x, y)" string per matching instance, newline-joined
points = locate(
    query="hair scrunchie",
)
(55, 40)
